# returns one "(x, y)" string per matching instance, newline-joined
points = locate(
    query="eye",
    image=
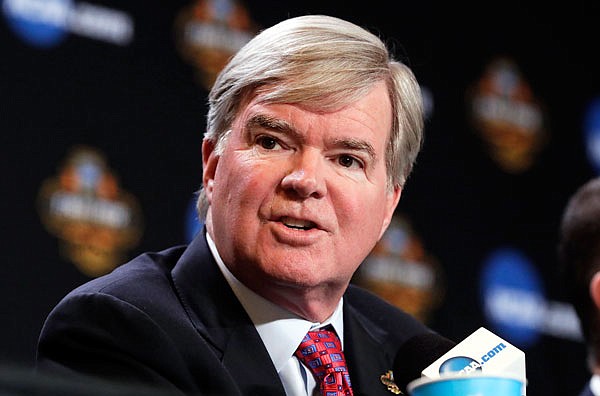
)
(348, 161)
(267, 142)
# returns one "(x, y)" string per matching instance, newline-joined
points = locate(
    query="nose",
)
(306, 177)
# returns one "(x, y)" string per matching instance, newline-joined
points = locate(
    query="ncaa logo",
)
(193, 224)
(459, 364)
(513, 296)
(39, 22)
(592, 134)
(46, 23)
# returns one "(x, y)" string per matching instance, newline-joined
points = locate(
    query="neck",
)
(314, 304)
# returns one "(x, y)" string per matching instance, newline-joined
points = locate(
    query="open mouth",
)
(298, 224)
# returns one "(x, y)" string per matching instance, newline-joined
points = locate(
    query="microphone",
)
(416, 354)
(483, 352)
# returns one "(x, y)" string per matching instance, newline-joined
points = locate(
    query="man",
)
(312, 131)
(579, 253)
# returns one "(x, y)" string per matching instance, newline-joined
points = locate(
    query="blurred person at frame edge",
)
(579, 258)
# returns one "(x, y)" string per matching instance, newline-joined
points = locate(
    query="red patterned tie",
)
(321, 352)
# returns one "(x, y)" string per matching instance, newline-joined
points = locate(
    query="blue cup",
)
(467, 385)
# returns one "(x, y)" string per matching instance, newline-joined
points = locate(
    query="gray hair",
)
(321, 63)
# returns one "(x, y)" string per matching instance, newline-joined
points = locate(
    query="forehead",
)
(370, 114)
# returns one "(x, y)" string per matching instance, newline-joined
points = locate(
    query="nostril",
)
(305, 177)
(300, 182)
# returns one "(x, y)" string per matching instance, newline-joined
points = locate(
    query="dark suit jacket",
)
(587, 391)
(171, 319)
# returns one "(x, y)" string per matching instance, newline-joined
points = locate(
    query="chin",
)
(306, 279)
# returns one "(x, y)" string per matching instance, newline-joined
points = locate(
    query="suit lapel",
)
(220, 319)
(250, 364)
(367, 353)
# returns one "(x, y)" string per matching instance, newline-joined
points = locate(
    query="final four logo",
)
(209, 32)
(401, 271)
(507, 115)
(94, 219)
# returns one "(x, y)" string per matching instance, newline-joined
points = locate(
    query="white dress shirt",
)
(595, 384)
(281, 331)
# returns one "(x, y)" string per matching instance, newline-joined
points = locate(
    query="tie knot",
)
(321, 351)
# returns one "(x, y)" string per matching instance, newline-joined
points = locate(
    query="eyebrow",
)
(356, 145)
(282, 126)
(273, 123)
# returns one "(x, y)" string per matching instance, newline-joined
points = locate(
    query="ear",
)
(595, 289)
(391, 201)
(209, 168)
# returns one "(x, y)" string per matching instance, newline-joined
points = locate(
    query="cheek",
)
(359, 229)
(241, 183)
(360, 220)
(360, 209)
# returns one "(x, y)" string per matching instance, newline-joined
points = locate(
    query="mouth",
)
(297, 224)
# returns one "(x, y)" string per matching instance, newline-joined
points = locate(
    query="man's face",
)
(299, 198)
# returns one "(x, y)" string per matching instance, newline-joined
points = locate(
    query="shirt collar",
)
(595, 384)
(280, 330)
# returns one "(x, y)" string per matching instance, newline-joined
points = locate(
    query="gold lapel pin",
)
(387, 379)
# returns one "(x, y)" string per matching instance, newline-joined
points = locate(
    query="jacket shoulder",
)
(128, 325)
(378, 313)
(146, 274)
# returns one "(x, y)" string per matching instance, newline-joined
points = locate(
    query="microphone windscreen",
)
(416, 354)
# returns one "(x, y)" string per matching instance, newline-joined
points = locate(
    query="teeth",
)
(297, 223)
